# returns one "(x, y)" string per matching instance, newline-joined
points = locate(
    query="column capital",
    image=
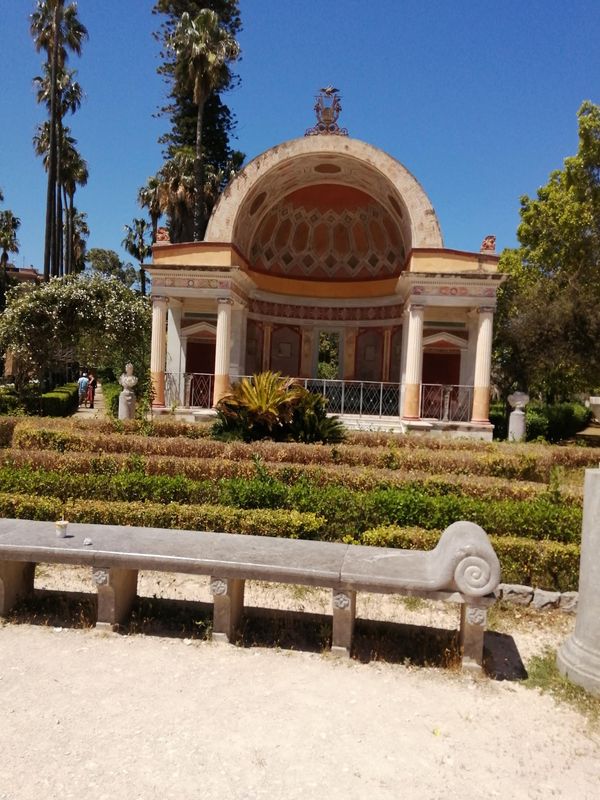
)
(410, 306)
(485, 309)
(224, 301)
(157, 299)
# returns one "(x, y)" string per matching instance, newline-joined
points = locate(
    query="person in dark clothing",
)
(91, 391)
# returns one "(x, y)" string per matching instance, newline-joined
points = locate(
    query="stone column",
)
(387, 351)
(222, 349)
(349, 353)
(579, 656)
(306, 353)
(239, 322)
(483, 366)
(414, 362)
(266, 353)
(175, 364)
(158, 348)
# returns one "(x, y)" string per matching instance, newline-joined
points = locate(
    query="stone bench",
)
(463, 568)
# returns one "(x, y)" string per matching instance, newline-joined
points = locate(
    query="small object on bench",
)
(463, 568)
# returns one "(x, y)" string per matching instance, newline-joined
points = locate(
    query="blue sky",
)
(477, 98)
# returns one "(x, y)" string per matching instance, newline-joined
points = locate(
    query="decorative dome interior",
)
(328, 231)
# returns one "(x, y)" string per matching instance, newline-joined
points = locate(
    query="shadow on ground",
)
(391, 642)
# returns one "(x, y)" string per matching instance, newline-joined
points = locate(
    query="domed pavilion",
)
(327, 244)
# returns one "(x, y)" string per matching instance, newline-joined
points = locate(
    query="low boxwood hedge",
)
(346, 512)
(259, 522)
(61, 401)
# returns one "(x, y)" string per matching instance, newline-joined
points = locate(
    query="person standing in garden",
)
(83, 384)
(91, 391)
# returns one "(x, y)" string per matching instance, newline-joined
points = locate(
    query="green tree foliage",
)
(57, 30)
(107, 264)
(548, 323)
(9, 225)
(137, 245)
(219, 160)
(91, 319)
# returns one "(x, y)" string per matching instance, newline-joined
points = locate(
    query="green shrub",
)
(60, 402)
(7, 427)
(111, 392)
(9, 402)
(499, 419)
(259, 522)
(268, 406)
(556, 422)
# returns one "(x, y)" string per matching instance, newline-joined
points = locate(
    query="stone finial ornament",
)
(489, 244)
(162, 236)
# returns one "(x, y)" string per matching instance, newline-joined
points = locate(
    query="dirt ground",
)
(160, 712)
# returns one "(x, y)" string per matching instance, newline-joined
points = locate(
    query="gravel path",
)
(85, 714)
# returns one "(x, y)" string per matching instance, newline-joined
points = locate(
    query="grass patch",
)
(544, 675)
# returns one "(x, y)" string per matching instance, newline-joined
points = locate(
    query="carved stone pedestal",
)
(117, 592)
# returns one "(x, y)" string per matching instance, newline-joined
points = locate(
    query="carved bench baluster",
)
(16, 583)
(472, 629)
(344, 614)
(228, 599)
(117, 591)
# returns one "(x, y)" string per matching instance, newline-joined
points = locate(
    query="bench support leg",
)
(344, 614)
(228, 599)
(16, 582)
(472, 628)
(117, 591)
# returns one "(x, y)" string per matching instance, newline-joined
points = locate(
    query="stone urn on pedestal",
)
(127, 397)
(516, 420)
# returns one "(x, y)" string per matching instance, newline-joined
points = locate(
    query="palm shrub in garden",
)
(268, 406)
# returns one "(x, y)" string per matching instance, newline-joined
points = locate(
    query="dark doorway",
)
(441, 368)
(200, 357)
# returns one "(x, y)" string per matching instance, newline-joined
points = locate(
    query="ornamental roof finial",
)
(327, 109)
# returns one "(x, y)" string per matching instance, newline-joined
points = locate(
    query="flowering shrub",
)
(95, 320)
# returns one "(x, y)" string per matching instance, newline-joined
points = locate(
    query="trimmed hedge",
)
(259, 522)
(357, 479)
(547, 565)
(518, 462)
(60, 402)
(346, 512)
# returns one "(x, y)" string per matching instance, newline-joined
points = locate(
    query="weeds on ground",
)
(544, 675)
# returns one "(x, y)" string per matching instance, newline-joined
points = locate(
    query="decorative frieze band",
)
(455, 291)
(328, 313)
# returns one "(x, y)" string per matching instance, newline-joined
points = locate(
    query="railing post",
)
(380, 399)
(343, 397)
(361, 400)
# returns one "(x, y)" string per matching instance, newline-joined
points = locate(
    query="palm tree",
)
(203, 50)
(150, 197)
(56, 30)
(75, 173)
(69, 97)
(9, 225)
(176, 177)
(136, 245)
